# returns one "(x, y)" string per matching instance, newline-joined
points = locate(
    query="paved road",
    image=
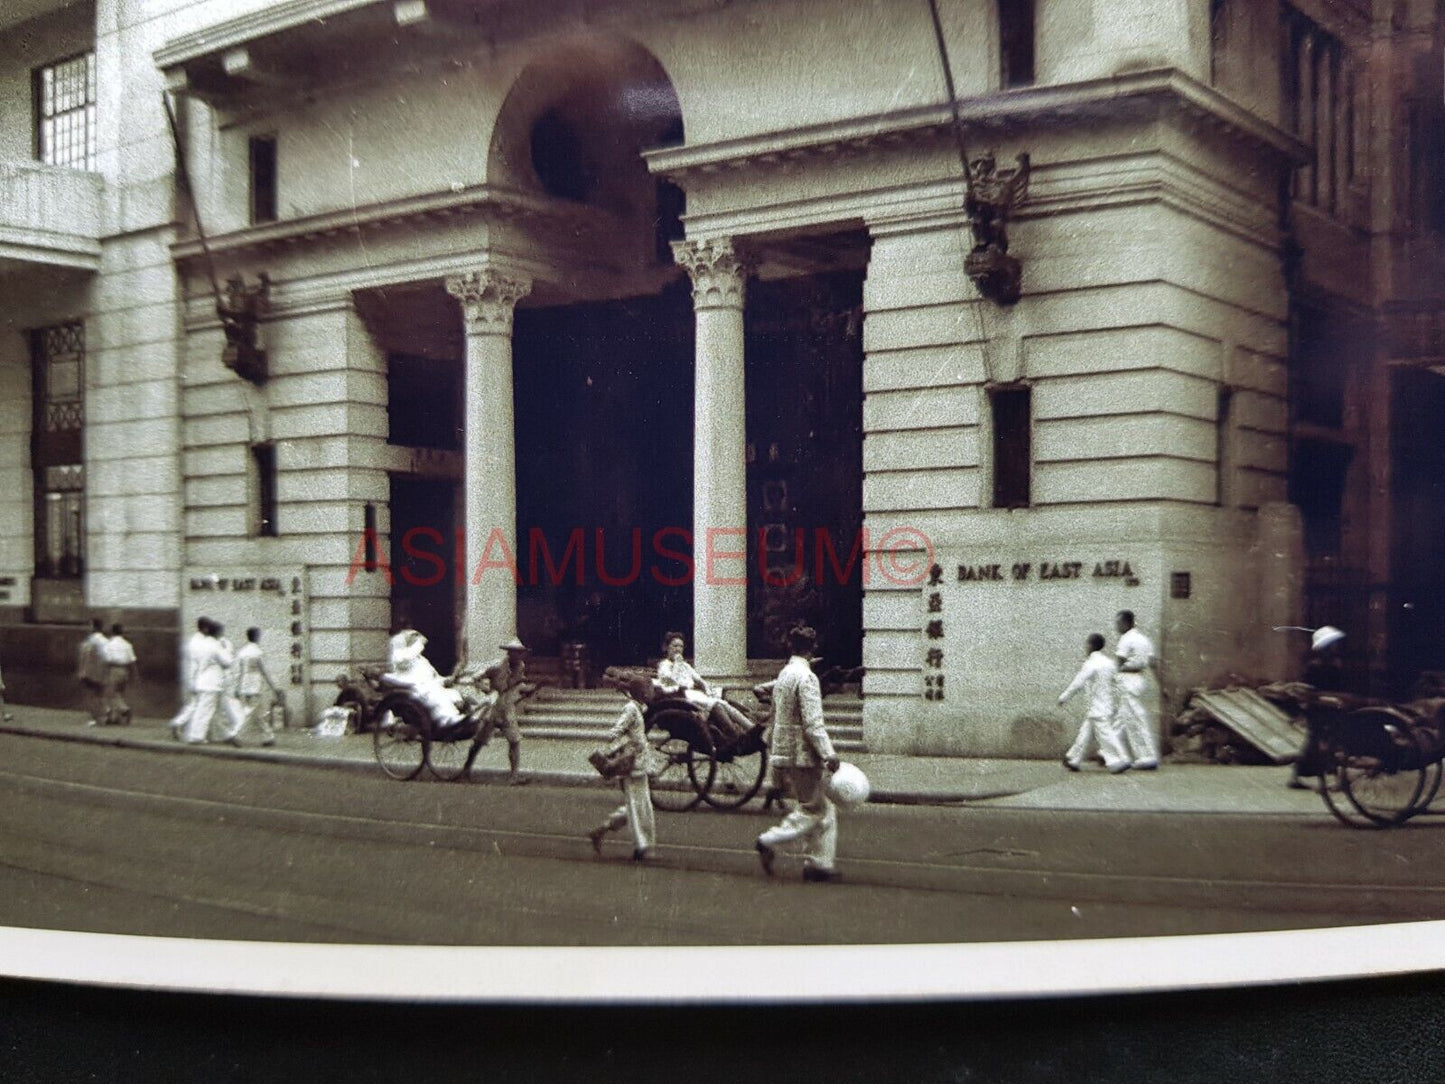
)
(128, 841)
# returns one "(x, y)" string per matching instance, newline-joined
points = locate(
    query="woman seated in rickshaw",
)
(675, 676)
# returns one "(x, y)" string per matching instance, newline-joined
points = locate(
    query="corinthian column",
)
(490, 459)
(719, 512)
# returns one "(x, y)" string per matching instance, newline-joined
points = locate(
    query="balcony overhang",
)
(303, 43)
(49, 217)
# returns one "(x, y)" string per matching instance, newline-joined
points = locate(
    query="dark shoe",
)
(639, 855)
(766, 856)
(1070, 765)
(1146, 766)
(597, 835)
(822, 876)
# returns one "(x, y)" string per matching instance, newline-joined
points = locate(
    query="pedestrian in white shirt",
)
(800, 753)
(90, 671)
(245, 708)
(190, 658)
(120, 663)
(213, 661)
(1096, 680)
(636, 809)
(1135, 655)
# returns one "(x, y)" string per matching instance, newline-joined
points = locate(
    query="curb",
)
(545, 777)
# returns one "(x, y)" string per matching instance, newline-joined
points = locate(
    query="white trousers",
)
(1103, 731)
(635, 812)
(815, 821)
(199, 714)
(1133, 718)
(246, 710)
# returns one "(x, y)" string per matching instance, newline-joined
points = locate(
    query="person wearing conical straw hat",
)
(508, 680)
(1325, 670)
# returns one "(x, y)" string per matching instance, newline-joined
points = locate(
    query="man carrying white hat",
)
(800, 751)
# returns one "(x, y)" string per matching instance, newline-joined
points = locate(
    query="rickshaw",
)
(407, 737)
(1380, 764)
(701, 761)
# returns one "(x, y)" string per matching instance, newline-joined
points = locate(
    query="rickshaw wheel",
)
(1384, 781)
(683, 743)
(447, 759)
(739, 777)
(399, 740)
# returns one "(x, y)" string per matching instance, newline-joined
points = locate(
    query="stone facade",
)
(1182, 207)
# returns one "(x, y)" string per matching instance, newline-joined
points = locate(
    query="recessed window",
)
(1016, 43)
(1012, 408)
(263, 458)
(263, 179)
(1218, 40)
(64, 102)
(1224, 446)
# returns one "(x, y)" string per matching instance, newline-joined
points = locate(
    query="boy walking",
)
(1096, 680)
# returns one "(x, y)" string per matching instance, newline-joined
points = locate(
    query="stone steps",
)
(585, 715)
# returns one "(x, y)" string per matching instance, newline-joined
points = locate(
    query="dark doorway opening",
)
(423, 592)
(604, 401)
(1417, 439)
(805, 469)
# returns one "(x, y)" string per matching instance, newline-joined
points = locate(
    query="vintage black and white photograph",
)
(721, 472)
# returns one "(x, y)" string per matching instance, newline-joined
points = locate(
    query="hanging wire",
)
(961, 142)
(185, 177)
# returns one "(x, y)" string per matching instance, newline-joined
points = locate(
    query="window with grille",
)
(1320, 85)
(58, 380)
(65, 112)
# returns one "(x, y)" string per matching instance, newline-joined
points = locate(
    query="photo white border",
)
(793, 973)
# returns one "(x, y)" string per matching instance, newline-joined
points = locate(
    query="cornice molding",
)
(248, 28)
(1067, 104)
(493, 203)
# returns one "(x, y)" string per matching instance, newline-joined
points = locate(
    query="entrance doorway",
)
(423, 595)
(604, 401)
(1417, 627)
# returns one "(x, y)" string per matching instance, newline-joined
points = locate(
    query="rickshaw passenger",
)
(410, 668)
(676, 675)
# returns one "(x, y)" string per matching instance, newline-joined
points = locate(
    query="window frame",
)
(1012, 452)
(87, 110)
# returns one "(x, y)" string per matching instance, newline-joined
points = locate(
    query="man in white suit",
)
(800, 753)
(1096, 680)
(1135, 654)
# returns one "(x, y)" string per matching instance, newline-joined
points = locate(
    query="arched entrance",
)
(604, 385)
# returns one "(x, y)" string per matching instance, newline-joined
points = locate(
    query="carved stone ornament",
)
(240, 313)
(992, 196)
(718, 271)
(488, 299)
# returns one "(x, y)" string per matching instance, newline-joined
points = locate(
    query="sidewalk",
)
(898, 780)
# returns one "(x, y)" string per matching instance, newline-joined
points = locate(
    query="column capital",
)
(488, 298)
(718, 271)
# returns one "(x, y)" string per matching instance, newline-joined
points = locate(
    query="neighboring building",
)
(522, 261)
